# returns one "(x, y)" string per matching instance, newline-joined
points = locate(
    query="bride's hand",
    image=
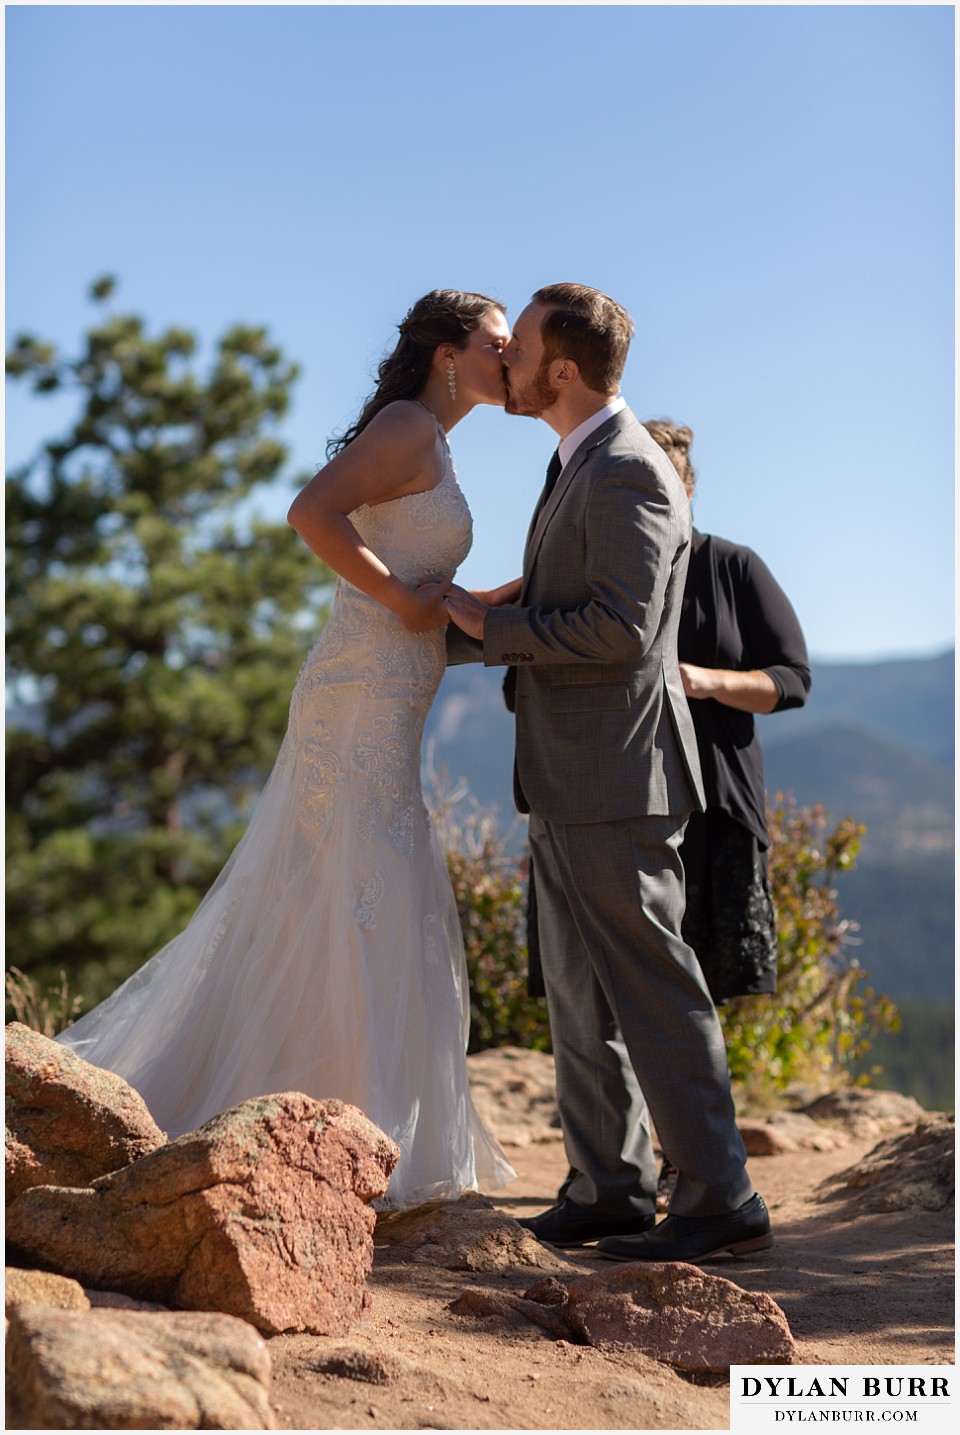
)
(469, 613)
(497, 597)
(426, 610)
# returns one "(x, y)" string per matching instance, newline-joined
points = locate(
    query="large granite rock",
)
(680, 1315)
(262, 1213)
(124, 1370)
(915, 1171)
(465, 1235)
(67, 1121)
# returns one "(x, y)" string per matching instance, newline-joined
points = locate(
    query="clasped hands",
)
(439, 602)
(469, 609)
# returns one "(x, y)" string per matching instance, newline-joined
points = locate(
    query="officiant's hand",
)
(748, 692)
(426, 609)
(468, 612)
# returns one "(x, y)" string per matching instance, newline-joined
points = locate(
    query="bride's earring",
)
(452, 380)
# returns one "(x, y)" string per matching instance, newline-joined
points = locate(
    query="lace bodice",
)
(420, 536)
(367, 685)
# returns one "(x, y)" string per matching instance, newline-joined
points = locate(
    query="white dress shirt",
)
(568, 446)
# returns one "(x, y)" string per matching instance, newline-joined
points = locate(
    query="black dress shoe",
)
(696, 1238)
(567, 1224)
(666, 1184)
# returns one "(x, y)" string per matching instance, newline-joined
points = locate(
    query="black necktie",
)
(554, 469)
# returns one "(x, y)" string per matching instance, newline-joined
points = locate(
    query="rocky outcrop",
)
(262, 1213)
(673, 1313)
(465, 1235)
(829, 1122)
(124, 1370)
(913, 1171)
(865, 1114)
(679, 1315)
(67, 1122)
(787, 1131)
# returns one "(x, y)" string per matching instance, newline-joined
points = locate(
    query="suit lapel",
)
(545, 512)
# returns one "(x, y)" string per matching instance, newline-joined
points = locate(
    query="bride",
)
(327, 956)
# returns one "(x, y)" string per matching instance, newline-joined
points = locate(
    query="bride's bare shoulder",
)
(405, 420)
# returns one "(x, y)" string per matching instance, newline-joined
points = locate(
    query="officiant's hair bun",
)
(675, 440)
(444, 316)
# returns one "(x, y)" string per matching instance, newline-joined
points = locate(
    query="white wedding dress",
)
(327, 957)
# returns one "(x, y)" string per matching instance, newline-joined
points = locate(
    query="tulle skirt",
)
(327, 958)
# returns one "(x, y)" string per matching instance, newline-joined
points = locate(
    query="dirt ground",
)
(856, 1289)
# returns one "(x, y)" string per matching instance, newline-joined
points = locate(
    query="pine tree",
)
(154, 635)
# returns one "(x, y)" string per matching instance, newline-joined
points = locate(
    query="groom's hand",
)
(467, 612)
(499, 597)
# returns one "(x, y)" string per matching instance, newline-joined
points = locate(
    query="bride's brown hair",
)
(444, 316)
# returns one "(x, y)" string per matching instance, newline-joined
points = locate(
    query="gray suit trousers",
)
(611, 898)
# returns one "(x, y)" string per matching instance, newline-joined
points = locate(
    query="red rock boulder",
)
(123, 1370)
(67, 1122)
(262, 1213)
(680, 1315)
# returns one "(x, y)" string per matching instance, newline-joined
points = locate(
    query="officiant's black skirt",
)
(729, 920)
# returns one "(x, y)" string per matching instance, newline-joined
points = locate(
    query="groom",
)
(606, 765)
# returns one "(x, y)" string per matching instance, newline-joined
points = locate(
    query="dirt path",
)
(864, 1290)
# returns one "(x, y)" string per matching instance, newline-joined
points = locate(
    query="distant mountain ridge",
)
(908, 699)
(903, 796)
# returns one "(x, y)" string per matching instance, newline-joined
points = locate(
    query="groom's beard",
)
(533, 400)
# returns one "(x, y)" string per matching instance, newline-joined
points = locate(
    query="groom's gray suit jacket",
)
(604, 737)
(603, 727)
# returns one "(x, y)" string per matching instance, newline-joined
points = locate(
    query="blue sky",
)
(768, 190)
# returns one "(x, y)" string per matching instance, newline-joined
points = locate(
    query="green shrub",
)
(824, 1014)
(491, 892)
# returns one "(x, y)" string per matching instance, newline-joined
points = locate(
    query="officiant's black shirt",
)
(735, 615)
